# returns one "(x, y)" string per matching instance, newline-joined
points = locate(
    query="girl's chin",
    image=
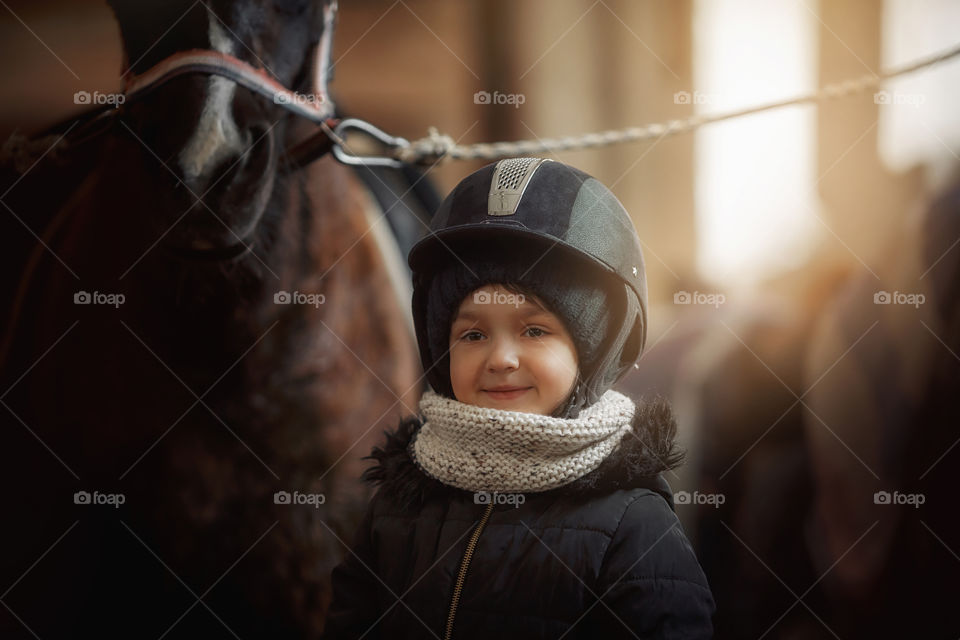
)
(525, 401)
(521, 405)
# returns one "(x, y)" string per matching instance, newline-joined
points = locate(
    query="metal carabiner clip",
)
(346, 157)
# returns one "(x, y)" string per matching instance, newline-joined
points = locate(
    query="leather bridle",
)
(315, 106)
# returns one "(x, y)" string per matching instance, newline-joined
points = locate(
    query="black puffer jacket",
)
(601, 557)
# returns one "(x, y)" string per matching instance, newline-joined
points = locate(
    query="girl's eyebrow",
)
(464, 315)
(527, 311)
(536, 311)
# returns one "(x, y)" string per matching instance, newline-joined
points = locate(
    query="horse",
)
(734, 371)
(825, 414)
(204, 340)
(882, 528)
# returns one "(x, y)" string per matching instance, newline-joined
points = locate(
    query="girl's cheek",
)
(561, 358)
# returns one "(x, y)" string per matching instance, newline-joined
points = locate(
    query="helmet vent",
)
(510, 178)
(512, 172)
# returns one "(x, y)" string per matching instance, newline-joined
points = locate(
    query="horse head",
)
(220, 142)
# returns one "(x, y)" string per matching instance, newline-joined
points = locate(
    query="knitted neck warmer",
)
(481, 449)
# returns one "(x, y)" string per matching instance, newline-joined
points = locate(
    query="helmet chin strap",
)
(571, 408)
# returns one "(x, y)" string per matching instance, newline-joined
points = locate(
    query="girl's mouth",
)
(506, 393)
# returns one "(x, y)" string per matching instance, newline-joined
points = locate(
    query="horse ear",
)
(142, 22)
(129, 15)
(123, 8)
(121, 12)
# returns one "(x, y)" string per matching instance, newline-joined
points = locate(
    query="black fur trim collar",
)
(642, 455)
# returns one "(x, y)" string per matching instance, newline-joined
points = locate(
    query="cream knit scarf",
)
(480, 449)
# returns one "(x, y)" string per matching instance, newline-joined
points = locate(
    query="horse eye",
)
(292, 7)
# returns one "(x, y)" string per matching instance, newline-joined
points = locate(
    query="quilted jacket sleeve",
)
(650, 583)
(353, 609)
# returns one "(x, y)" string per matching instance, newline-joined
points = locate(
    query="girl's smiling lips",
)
(506, 392)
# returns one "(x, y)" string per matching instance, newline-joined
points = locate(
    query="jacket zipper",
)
(464, 563)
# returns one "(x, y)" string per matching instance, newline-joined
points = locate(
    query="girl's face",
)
(508, 352)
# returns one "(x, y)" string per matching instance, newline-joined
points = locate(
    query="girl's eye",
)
(470, 335)
(536, 332)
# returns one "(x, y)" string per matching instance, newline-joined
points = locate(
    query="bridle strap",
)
(315, 106)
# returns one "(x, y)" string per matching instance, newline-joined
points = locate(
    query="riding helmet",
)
(551, 228)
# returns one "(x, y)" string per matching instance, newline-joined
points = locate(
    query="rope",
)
(21, 152)
(436, 146)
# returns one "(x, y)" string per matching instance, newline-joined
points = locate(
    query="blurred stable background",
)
(803, 393)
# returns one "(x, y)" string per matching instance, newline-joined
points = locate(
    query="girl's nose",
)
(503, 355)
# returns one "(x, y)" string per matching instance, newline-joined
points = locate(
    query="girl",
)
(526, 500)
